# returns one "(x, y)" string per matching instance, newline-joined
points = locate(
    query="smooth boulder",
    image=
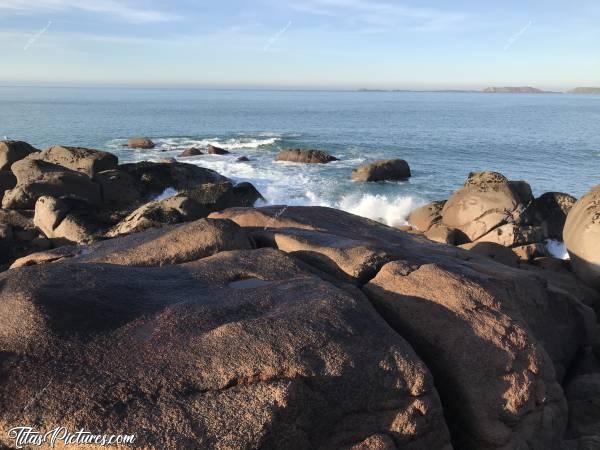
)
(84, 160)
(141, 143)
(13, 151)
(36, 178)
(582, 237)
(305, 156)
(192, 151)
(487, 201)
(383, 170)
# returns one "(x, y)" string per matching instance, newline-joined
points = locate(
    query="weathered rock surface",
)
(13, 151)
(495, 337)
(511, 235)
(157, 214)
(214, 150)
(444, 235)
(382, 170)
(36, 178)
(487, 201)
(141, 142)
(494, 251)
(83, 160)
(64, 221)
(582, 237)
(158, 247)
(425, 217)
(305, 156)
(239, 350)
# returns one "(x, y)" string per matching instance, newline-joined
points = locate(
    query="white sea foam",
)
(167, 193)
(556, 249)
(391, 210)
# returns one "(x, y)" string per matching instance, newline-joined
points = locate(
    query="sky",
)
(313, 44)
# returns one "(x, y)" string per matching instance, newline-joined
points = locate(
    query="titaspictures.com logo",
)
(25, 437)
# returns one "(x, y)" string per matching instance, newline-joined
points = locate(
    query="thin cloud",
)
(120, 9)
(379, 14)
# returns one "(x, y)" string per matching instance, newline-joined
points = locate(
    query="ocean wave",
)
(557, 249)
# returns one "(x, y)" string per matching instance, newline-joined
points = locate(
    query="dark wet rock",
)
(305, 156)
(383, 170)
(156, 177)
(119, 189)
(242, 159)
(7, 182)
(550, 211)
(192, 151)
(214, 150)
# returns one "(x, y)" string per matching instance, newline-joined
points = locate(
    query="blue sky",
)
(301, 44)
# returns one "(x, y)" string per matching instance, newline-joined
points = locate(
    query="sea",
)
(550, 140)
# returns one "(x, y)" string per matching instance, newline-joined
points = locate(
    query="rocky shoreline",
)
(153, 298)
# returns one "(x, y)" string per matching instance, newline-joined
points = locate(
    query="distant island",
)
(496, 90)
(516, 90)
(585, 90)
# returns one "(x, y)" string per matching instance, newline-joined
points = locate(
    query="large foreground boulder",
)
(13, 151)
(498, 340)
(239, 350)
(305, 156)
(582, 237)
(80, 159)
(487, 201)
(382, 170)
(37, 178)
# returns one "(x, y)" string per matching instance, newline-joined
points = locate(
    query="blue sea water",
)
(551, 141)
